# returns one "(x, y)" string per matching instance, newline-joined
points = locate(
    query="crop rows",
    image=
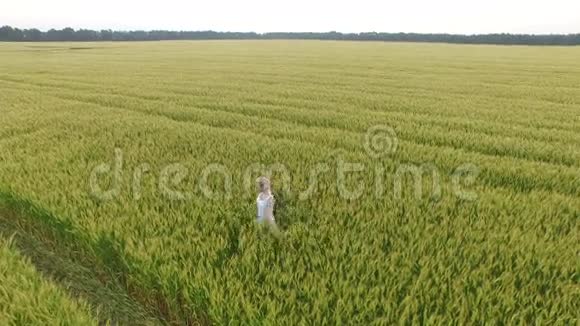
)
(510, 255)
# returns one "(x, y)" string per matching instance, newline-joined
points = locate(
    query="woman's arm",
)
(270, 209)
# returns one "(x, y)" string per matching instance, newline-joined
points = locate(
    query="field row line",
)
(378, 88)
(429, 140)
(401, 115)
(332, 69)
(188, 116)
(509, 180)
(559, 125)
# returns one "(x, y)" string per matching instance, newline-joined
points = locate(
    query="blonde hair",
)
(263, 181)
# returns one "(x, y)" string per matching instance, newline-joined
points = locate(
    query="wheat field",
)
(465, 210)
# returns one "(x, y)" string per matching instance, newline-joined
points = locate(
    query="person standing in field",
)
(265, 202)
(265, 207)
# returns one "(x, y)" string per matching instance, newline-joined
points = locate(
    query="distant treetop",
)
(10, 34)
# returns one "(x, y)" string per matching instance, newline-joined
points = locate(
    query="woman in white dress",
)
(265, 202)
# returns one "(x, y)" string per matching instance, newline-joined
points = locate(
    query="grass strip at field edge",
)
(96, 271)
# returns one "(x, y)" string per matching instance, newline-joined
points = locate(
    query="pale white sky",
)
(447, 16)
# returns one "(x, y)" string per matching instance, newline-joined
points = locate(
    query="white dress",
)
(263, 205)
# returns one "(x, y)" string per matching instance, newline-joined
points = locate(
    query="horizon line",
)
(290, 32)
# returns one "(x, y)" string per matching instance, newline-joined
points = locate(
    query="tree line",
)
(11, 34)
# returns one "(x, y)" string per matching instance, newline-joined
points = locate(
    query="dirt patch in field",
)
(81, 48)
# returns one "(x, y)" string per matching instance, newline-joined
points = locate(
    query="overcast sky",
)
(448, 16)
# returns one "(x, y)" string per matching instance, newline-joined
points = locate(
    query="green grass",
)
(58, 255)
(28, 299)
(513, 112)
